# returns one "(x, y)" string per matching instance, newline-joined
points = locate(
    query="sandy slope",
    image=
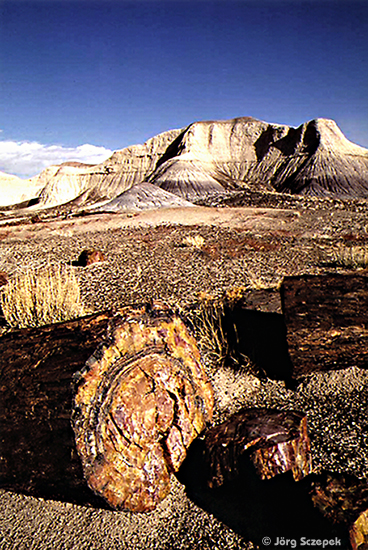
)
(14, 190)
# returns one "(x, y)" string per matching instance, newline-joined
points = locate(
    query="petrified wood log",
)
(277, 441)
(260, 336)
(327, 321)
(37, 448)
(140, 401)
(90, 256)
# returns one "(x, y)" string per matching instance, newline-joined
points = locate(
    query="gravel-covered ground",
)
(145, 261)
(240, 247)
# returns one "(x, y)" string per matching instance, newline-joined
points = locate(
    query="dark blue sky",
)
(114, 73)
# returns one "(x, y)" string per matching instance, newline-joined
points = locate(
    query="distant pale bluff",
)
(179, 166)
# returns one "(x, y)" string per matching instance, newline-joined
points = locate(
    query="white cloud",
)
(26, 159)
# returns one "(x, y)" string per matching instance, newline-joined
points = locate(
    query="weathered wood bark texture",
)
(141, 400)
(37, 446)
(327, 321)
(277, 442)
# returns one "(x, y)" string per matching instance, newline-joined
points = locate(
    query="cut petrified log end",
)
(359, 532)
(276, 440)
(139, 403)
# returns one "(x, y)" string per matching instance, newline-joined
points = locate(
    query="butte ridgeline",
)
(205, 159)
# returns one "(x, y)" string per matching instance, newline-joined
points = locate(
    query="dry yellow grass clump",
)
(41, 296)
(196, 242)
(207, 322)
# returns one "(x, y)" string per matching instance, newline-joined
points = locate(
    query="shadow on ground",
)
(279, 507)
(260, 336)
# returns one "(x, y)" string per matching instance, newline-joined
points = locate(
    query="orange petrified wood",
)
(117, 420)
(139, 402)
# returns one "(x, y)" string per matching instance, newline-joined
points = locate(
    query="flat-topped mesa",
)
(332, 165)
(209, 157)
(246, 138)
(224, 140)
(313, 159)
(331, 137)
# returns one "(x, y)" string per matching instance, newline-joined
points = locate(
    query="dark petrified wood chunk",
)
(139, 403)
(3, 278)
(327, 321)
(276, 440)
(340, 497)
(343, 499)
(90, 256)
(37, 449)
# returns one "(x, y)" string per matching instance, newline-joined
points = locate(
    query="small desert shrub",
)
(196, 242)
(351, 256)
(41, 296)
(259, 282)
(207, 322)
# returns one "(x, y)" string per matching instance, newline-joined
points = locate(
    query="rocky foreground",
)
(187, 257)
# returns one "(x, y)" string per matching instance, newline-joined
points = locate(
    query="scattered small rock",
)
(89, 256)
(3, 278)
